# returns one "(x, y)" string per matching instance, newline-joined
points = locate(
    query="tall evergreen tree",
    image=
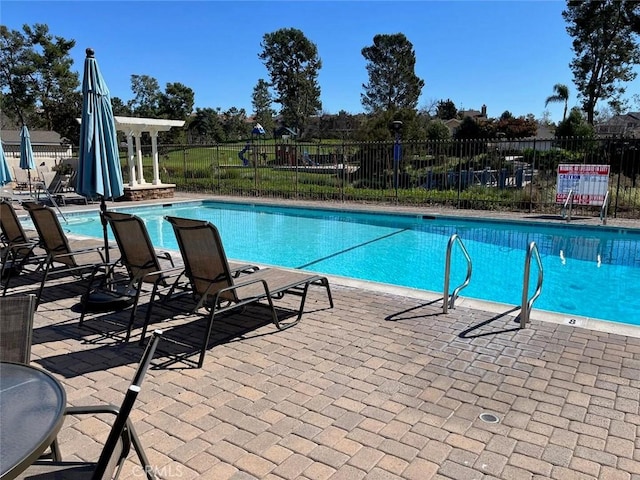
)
(393, 84)
(446, 109)
(605, 34)
(293, 64)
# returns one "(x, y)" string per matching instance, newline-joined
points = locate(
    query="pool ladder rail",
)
(605, 207)
(527, 303)
(449, 301)
(567, 207)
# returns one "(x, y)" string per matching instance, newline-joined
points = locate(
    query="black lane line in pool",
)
(352, 248)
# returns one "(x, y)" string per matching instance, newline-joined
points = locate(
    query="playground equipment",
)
(256, 132)
(245, 161)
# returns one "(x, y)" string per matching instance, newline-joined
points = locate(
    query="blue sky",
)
(505, 54)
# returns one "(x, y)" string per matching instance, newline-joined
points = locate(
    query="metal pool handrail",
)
(448, 302)
(568, 201)
(527, 304)
(605, 207)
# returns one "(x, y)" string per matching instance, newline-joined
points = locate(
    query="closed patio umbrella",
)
(5, 173)
(26, 153)
(99, 171)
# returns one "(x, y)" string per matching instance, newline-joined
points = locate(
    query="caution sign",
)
(589, 183)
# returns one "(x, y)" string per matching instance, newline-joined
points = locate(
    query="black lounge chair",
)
(79, 258)
(217, 289)
(142, 263)
(18, 245)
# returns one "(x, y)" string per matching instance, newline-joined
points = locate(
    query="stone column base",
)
(148, 192)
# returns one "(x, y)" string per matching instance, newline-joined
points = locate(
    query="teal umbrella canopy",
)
(26, 152)
(99, 171)
(5, 173)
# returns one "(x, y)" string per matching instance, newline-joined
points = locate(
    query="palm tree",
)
(561, 95)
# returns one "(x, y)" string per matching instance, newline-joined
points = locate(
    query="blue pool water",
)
(588, 271)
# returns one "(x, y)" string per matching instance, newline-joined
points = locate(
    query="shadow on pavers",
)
(478, 330)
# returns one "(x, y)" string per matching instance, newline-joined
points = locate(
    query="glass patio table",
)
(32, 405)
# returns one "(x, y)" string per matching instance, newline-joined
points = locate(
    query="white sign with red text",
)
(589, 183)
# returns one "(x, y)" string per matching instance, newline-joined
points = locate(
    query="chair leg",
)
(44, 280)
(55, 451)
(134, 311)
(147, 318)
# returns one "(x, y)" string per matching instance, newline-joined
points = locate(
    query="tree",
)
(261, 101)
(120, 108)
(512, 127)
(446, 110)
(235, 124)
(574, 126)
(560, 95)
(469, 128)
(437, 130)
(37, 85)
(393, 84)
(146, 96)
(293, 64)
(17, 71)
(206, 127)
(605, 46)
(176, 102)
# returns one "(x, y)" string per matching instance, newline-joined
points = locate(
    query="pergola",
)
(133, 127)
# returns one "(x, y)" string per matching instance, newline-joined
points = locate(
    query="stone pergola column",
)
(154, 151)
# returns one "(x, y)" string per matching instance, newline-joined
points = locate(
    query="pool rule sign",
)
(589, 183)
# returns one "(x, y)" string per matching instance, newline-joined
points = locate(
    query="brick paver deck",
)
(382, 386)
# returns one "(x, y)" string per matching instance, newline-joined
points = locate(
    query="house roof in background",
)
(38, 137)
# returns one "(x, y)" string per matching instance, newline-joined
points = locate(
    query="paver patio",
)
(381, 386)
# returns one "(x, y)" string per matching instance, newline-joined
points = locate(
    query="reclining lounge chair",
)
(17, 245)
(141, 261)
(217, 289)
(79, 259)
(143, 265)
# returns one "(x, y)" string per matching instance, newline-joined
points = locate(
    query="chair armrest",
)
(165, 256)
(82, 251)
(92, 409)
(239, 269)
(167, 272)
(236, 286)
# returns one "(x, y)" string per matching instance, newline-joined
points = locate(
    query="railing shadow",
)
(393, 317)
(467, 333)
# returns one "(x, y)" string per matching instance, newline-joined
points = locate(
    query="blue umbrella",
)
(26, 153)
(5, 173)
(99, 171)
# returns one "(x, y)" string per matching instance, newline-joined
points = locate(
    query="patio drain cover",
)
(489, 418)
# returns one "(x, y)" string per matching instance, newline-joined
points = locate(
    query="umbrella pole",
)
(29, 181)
(103, 219)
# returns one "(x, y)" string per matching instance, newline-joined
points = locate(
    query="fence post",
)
(184, 164)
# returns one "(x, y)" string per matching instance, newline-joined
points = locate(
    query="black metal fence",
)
(512, 175)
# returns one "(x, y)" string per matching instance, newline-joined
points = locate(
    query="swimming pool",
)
(588, 271)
